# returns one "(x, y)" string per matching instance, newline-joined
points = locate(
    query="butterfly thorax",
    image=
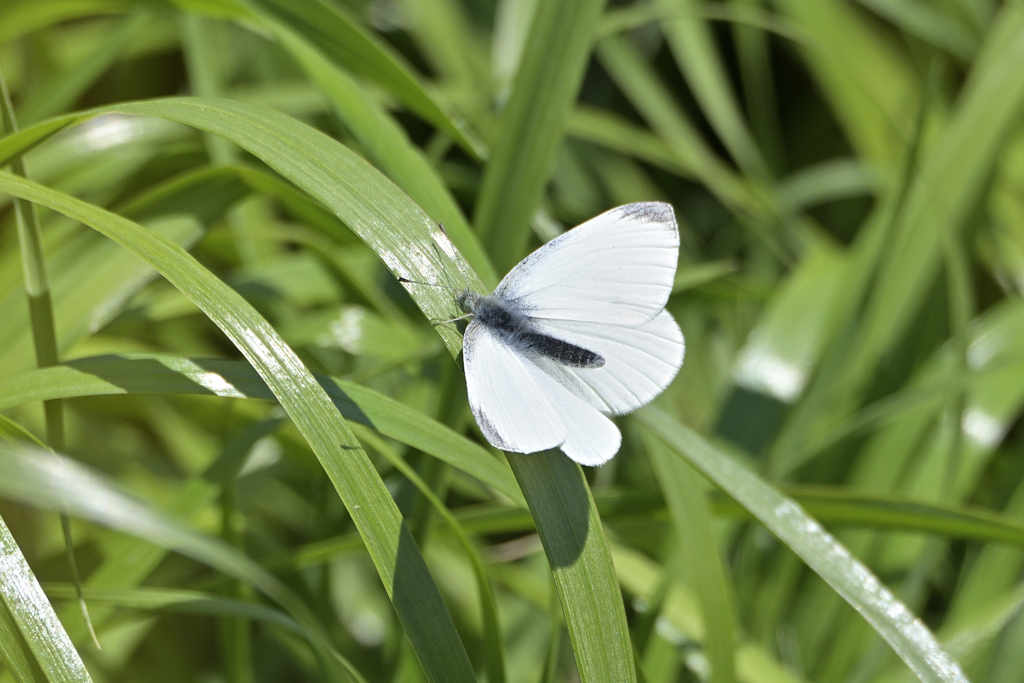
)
(517, 330)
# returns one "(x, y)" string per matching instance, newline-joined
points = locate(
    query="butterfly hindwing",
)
(640, 361)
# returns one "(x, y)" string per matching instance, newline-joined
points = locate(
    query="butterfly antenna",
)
(406, 280)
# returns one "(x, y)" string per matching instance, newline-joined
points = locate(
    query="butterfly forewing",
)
(520, 408)
(512, 411)
(615, 268)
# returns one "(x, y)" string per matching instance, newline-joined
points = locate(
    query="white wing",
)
(520, 408)
(615, 268)
(512, 411)
(640, 361)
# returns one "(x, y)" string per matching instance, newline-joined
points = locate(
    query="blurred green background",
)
(849, 183)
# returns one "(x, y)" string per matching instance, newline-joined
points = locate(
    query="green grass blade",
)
(950, 182)
(405, 238)
(642, 577)
(824, 182)
(613, 132)
(45, 480)
(691, 518)
(14, 651)
(177, 601)
(867, 78)
(332, 28)
(143, 373)
(84, 297)
(840, 507)
(581, 564)
(388, 146)
(64, 89)
(783, 349)
(653, 100)
(532, 125)
(494, 653)
(694, 48)
(907, 634)
(930, 25)
(398, 561)
(18, 19)
(28, 608)
(833, 506)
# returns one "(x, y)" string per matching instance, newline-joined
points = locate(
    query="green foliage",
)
(215, 391)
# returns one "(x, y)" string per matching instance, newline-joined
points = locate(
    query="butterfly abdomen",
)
(515, 329)
(558, 350)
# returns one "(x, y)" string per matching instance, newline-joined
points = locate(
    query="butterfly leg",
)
(453, 320)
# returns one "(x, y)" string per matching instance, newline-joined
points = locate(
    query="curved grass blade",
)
(532, 125)
(494, 654)
(14, 652)
(63, 89)
(905, 633)
(833, 506)
(341, 36)
(388, 146)
(691, 518)
(869, 81)
(27, 607)
(49, 481)
(18, 19)
(178, 601)
(841, 507)
(84, 297)
(390, 545)
(160, 374)
(693, 46)
(581, 564)
(404, 237)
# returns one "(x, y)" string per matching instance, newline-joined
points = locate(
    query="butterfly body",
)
(517, 330)
(576, 332)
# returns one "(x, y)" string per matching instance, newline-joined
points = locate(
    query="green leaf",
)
(388, 541)
(388, 146)
(581, 564)
(691, 518)
(26, 607)
(532, 125)
(905, 633)
(149, 373)
(332, 28)
(49, 481)
(694, 48)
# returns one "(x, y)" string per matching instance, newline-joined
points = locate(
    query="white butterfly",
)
(576, 332)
